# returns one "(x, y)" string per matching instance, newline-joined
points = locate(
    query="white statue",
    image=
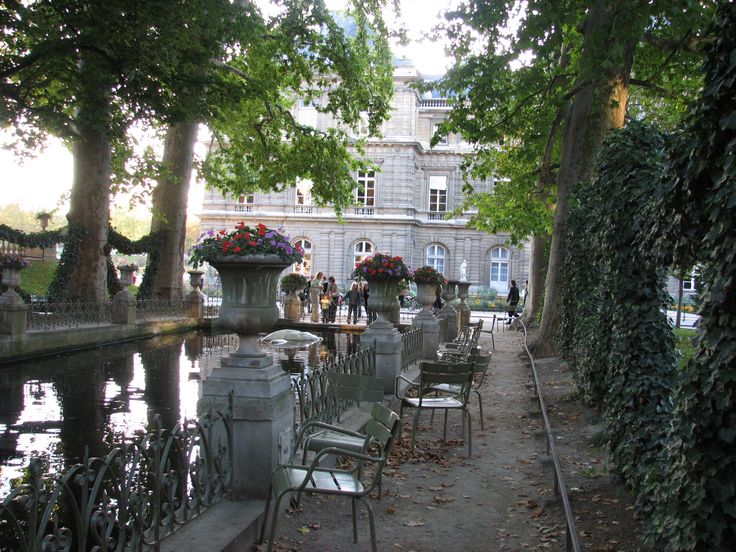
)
(464, 271)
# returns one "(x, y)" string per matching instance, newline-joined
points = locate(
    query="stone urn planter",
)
(11, 278)
(292, 304)
(426, 296)
(126, 275)
(463, 309)
(249, 285)
(383, 299)
(195, 279)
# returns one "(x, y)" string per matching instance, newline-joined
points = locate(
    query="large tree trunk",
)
(90, 195)
(170, 208)
(596, 109)
(535, 289)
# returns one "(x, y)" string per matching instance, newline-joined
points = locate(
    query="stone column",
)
(463, 309)
(448, 311)
(427, 321)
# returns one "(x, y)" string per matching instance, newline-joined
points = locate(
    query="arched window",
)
(500, 257)
(304, 267)
(435, 257)
(362, 250)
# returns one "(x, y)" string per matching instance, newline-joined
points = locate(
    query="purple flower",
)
(289, 250)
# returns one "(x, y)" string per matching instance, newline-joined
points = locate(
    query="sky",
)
(39, 183)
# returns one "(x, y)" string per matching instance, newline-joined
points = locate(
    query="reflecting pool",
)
(55, 407)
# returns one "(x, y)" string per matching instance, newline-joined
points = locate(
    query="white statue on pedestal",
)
(464, 271)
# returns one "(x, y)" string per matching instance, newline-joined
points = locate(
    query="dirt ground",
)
(500, 498)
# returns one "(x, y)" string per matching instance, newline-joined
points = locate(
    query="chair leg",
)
(265, 516)
(355, 520)
(274, 520)
(371, 524)
(444, 433)
(414, 427)
(480, 406)
(470, 434)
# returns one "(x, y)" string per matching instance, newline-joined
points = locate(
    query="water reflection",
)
(58, 407)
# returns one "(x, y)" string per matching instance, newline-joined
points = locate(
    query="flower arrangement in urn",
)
(294, 281)
(243, 240)
(13, 261)
(382, 267)
(428, 275)
(130, 267)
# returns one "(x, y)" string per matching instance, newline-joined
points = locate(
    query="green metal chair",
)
(315, 479)
(317, 436)
(439, 373)
(481, 362)
(463, 347)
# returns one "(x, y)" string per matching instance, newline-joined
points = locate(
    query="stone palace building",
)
(399, 208)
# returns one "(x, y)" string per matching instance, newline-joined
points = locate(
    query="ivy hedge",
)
(71, 236)
(655, 204)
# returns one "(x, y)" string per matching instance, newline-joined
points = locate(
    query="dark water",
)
(54, 408)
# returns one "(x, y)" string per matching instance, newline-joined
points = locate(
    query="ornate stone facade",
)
(399, 209)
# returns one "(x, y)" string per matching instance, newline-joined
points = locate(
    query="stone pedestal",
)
(463, 309)
(427, 321)
(263, 416)
(13, 313)
(123, 308)
(386, 339)
(448, 311)
(195, 304)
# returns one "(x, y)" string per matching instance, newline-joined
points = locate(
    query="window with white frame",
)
(307, 113)
(361, 250)
(437, 194)
(691, 281)
(500, 260)
(245, 203)
(304, 267)
(442, 138)
(435, 257)
(303, 192)
(365, 193)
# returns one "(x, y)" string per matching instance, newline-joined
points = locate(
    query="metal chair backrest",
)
(481, 362)
(354, 387)
(437, 373)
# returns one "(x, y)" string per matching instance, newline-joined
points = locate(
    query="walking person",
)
(353, 298)
(512, 299)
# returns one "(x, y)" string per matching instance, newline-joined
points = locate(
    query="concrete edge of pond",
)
(233, 526)
(48, 343)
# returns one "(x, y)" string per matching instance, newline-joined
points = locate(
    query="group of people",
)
(330, 299)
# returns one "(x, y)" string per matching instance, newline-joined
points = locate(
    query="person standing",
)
(353, 298)
(369, 315)
(334, 294)
(512, 299)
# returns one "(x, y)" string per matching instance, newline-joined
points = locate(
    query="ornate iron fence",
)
(44, 315)
(217, 345)
(129, 500)
(212, 307)
(411, 347)
(312, 402)
(161, 309)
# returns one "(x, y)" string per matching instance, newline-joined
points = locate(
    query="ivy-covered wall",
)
(656, 205)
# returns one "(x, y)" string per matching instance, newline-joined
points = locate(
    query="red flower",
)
(237, 249)
(247, 235)
(261, 229)
(252, 243)
(240, 225)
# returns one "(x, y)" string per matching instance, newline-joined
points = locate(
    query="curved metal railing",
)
(572, 540)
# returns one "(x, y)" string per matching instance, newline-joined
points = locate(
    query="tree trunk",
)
(535, 289)
(596, 109)
(90, 194)
(170, 208)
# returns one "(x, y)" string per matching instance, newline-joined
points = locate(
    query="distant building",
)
(399, 208)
